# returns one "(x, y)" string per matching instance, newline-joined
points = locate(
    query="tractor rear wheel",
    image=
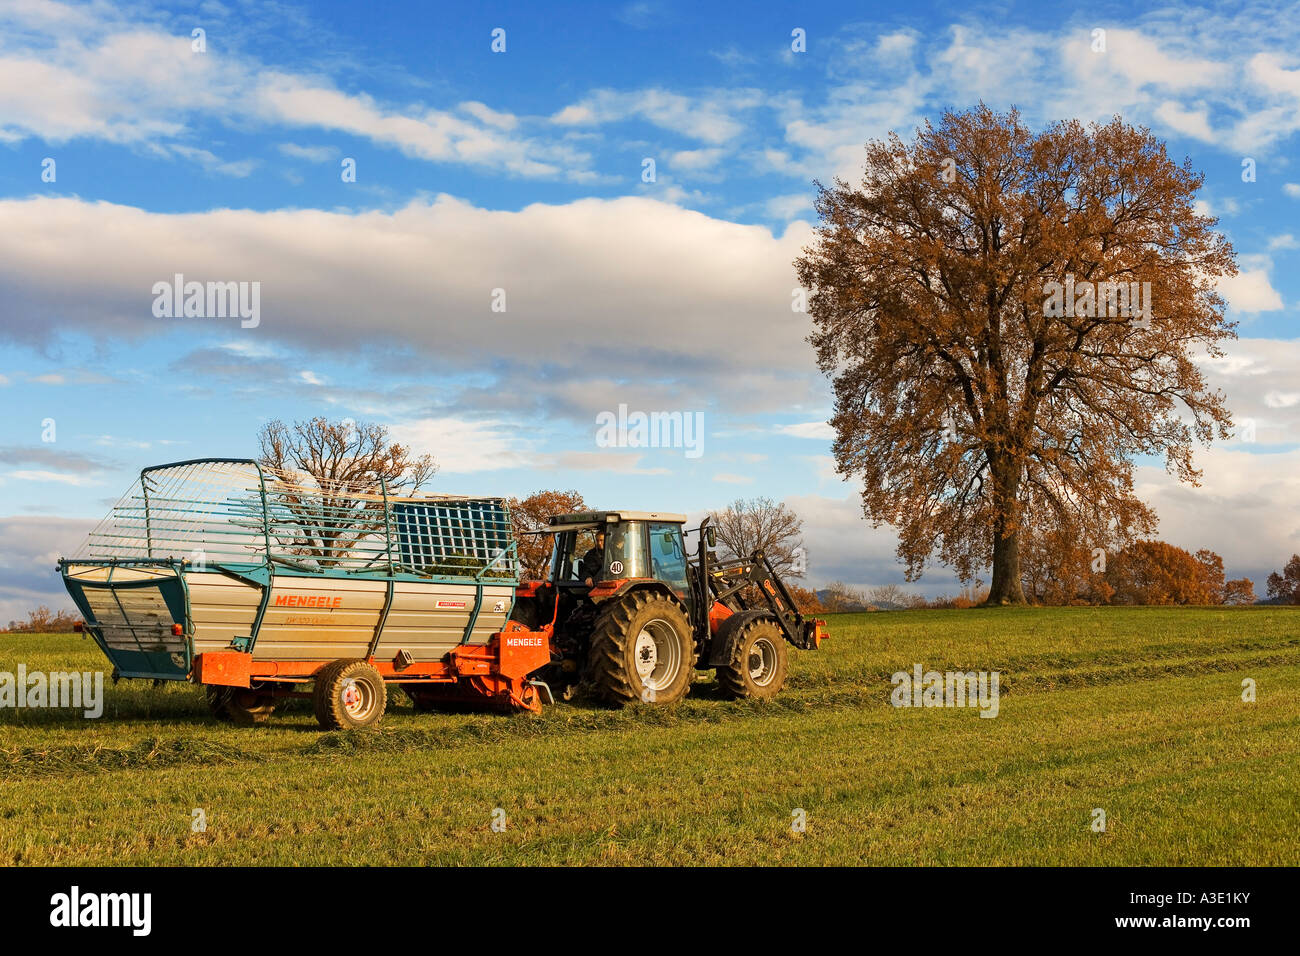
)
(758, 662)
(349, 695)
(641, 649)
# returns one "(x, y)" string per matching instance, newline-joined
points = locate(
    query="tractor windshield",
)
(600, 554)
(625, 551)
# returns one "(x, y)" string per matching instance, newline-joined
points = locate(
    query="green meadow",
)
(1136, 712)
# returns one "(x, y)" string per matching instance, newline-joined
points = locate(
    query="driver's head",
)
(600, 539)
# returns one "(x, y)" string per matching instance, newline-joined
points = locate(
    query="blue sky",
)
(523, 171)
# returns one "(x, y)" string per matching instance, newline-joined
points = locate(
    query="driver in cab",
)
(593, 562)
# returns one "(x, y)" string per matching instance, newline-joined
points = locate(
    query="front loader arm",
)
(729, 581)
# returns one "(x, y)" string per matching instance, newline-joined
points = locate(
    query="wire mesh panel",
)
(455, 537)
(320, 524)
(201, 511)
(235, 512)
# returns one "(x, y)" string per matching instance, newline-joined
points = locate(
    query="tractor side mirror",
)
(711, 535)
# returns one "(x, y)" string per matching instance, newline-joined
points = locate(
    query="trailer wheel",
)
(249, 706)
(348, 695)
(217, 698)
(239, 705)
(758, 662)
(641, 649)
(422, 702)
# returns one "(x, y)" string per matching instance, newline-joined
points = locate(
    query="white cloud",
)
(1189, 122)
(248, 348)
(1239, 510)
(1142, 59)
(1282, 399)
(429, 134)
(1292, 190)
(1250, 291)
(131, 83)
(712, 117)
(239, 169)
(788, 207)
(818, 430)
(461, 446)
(732, 57)
(29, 550)
(485, 114)
(57, 477)
(113, 441)
(1258, 379)
(640, 14)
(896, 46)
(312, 154)
(843, 546)
(694, 159)
(589, 272)
(607, 460)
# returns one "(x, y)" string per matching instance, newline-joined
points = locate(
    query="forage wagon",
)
(261, 584)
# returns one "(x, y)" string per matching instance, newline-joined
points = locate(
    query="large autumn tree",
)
(968, 402)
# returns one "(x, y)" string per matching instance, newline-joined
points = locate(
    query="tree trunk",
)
(1006, 587)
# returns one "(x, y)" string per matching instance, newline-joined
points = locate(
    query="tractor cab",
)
(599, 551)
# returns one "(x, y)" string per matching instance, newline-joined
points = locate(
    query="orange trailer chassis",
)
(494, 675)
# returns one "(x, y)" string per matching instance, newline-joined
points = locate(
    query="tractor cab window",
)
(667, 556)
(625, 551)
(600, 554)
(576, 554)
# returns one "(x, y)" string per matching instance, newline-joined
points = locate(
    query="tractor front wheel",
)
(642, 649)
(758, 662)
(349, 695)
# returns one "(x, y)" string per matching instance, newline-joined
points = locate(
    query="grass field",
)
(1136, 711)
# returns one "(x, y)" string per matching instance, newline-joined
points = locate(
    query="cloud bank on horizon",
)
(486, 248)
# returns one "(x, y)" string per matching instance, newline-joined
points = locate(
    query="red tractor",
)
(633, 615)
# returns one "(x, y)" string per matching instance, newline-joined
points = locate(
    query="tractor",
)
(632, 615)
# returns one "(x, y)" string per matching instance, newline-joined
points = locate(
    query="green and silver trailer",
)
(257, 582)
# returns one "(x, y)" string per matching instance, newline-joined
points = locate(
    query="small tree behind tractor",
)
(264, 585)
